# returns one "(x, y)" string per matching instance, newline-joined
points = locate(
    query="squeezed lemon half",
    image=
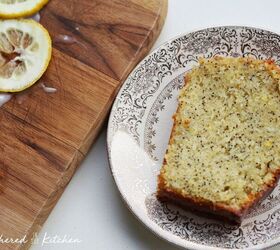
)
(25, 53)
(20, 8)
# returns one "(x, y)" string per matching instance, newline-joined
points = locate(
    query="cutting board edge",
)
(45, 211)
(159, 23)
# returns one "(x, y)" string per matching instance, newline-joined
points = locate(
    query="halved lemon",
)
(20, 8)
(25, 53)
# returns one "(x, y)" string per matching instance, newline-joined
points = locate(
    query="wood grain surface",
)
(45, 138)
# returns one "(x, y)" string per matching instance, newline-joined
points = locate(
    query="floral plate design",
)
(140, 125)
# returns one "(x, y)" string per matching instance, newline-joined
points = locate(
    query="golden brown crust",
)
(204, 207)
(210, 209)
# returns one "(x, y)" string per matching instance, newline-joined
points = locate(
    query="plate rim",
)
(188, 245)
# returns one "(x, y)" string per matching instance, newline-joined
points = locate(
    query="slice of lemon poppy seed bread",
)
(224, 151)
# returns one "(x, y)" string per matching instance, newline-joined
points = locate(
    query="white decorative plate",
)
(139, 129)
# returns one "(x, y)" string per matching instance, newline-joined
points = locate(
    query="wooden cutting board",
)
(44, 139)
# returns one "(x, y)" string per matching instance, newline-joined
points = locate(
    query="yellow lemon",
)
(25, 53)
(20, 8)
